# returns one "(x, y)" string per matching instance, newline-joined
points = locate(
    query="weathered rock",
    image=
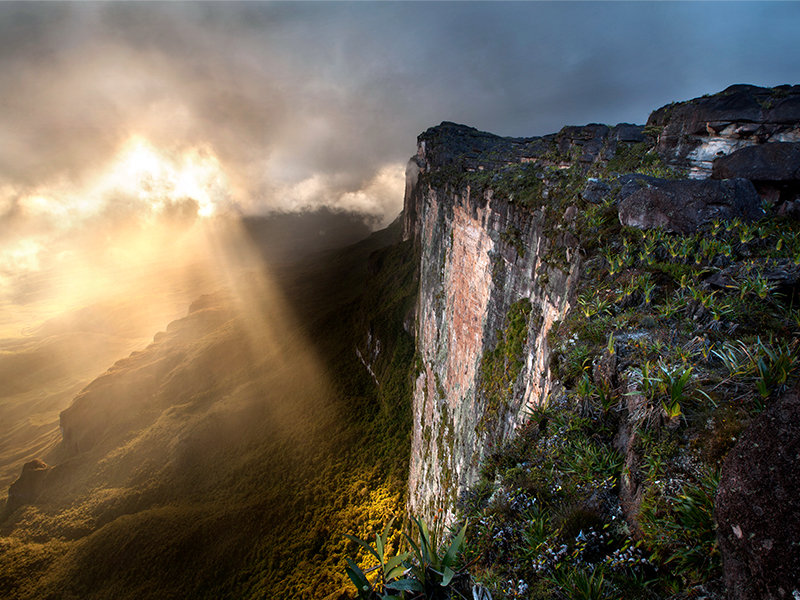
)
(685, 206)
(625, 132)
(789, 210)
(26, 488)
(697, 132)
(781, 274)
(471, 149)
(757, 507)
(777, 161)
(605, 370)
(633, 182)
(596, 191)
(593, 142)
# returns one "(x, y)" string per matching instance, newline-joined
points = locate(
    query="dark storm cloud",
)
(289, 92)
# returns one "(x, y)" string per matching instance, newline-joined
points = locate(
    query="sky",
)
(121, 115)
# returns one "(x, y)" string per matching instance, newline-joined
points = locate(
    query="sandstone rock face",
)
(471, 273)
(757, 507)
(776, 162)
(481, 254)
(697, 132)
(684, 206)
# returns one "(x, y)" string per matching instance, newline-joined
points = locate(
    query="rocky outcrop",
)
(492, 253)
(684, 206)
(451, 144)
(696, 133)
(776, 162)
(26, 488)
(773, 168)
(758, 507)
(592, 143)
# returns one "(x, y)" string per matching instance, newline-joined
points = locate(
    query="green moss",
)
(501, 367)
(513, 236)
(639, 158)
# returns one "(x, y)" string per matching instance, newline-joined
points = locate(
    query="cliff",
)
(480, 256)
(601, 313)
(605, 330)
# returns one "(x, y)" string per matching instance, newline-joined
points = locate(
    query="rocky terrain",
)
(602, 313)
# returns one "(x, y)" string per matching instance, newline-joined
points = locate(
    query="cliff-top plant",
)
(426, 571)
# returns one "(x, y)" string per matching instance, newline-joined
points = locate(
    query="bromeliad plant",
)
(435, 571)
(391, 572)
(423, 572)
(672, 384)
(774, 366)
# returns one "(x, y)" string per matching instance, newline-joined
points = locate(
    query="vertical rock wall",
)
(479, 255)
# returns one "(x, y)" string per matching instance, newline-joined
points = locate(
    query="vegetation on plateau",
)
(674, 344)
(608, 490)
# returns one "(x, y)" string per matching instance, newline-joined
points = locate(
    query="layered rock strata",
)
(697, 132)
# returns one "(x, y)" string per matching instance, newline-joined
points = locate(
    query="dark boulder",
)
(586, 141)
(633, 182)
(776, 161)
(596, 191)
(685, 206)
(789, 210)
(757, 507)
(466, 148)
(625, 132)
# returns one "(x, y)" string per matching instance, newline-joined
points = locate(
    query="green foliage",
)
(501, 367)
(645, 299)
(672, 384)
(589, 462)
(245, 487)
(390, 571)
(774, 366)
(639, 158)
(512, 236)
(577, 584)
(681, 529)
(425, 571)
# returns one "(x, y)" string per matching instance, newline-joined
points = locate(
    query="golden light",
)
(159, 180)
(146, 212)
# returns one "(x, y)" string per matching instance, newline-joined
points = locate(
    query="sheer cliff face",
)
(479, 256)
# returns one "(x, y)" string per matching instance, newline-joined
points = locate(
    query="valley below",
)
(226, 457)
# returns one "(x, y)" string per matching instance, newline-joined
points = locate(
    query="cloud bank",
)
(291, 106)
